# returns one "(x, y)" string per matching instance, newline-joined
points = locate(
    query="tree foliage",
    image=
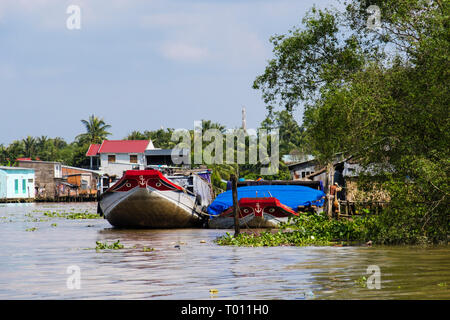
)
(380, 95)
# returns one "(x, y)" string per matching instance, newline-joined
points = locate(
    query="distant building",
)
(301, 169)
(55, 181)
(113, 157)
(116, 156)
(48, 176)
(16, 183)
(346, 174)
(83, 181)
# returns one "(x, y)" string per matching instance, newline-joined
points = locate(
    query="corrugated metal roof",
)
(15, 168)
(82, 169)
(93, 150)
(124, 146)
(166, 152)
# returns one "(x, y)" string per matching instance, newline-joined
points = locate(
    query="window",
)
(16, 186)
(58, 171)
(84, 184)
(133, 158)
(111, 158)
(24, 186)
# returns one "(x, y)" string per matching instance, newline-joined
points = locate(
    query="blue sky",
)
(139, 65)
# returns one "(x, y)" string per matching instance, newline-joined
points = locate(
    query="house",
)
(16, 183)
(83, 181)
(55, 181)
(346, 173)
(300, 169)
(48, 177)
(116, 156)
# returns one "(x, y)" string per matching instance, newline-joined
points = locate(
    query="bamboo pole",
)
(235, 204)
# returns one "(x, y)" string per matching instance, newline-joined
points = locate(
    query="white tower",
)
(244, 123)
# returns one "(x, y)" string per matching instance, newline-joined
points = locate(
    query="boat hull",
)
(144, 208)
(254, 213)
(149, 201)
(251, 221)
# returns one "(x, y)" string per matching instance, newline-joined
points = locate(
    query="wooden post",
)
(235, 204)
(330, 171)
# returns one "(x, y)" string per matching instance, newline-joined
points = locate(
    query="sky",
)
(138, 64)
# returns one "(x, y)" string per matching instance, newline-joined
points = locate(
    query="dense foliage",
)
(378, 94)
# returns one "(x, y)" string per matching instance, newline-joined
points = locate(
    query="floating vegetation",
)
(72, 215)
(304, 230)
(267, 238)
(442, 284)
(104, 245)
(53, 224)
(145, 249)
(31, 229)
(361, 281)
(37, 220)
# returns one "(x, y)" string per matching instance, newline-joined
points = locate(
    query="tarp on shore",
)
(289, 195)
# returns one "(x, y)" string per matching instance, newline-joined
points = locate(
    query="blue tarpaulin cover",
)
(289, 195)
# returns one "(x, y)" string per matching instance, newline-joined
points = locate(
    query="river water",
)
(187, 264)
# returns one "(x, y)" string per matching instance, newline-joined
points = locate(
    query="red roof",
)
(27, 159)
(123, 146)
(93, 150)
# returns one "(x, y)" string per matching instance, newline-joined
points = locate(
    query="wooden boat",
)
(149, 199)
(265, 212)
(282, 202)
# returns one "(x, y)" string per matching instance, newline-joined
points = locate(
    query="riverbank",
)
(317, 229)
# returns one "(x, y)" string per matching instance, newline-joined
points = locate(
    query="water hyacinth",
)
(104, 245)
(72, 215)
(304, 230)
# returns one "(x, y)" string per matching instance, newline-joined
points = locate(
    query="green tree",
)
(96, 131)
(380, 95)
(136, 135)
(30, 146)
(161, 138)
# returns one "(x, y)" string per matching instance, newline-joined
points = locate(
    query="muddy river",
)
(46, 256)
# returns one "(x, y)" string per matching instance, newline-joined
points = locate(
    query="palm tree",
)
(59, 143)
(29, 146)
(136, 135)
(95, 130)
(208, 124)
(42, 141)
